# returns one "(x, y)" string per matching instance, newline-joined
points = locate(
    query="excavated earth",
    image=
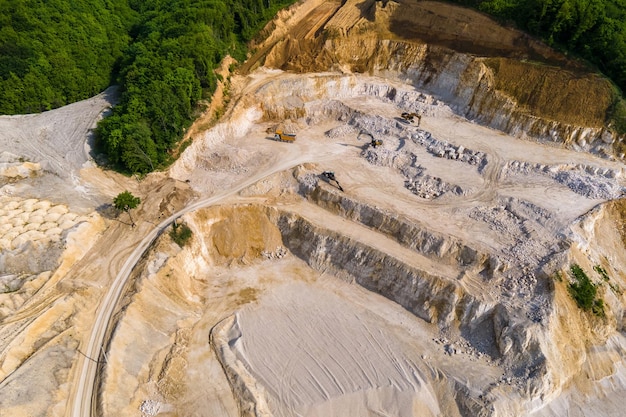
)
(431, 279)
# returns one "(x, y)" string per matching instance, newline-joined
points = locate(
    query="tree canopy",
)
(126, 201)
(56, 52)
(168, 68)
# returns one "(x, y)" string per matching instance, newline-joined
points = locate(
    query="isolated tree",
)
(126, 201)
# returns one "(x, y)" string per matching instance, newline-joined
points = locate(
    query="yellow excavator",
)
(410, 117)
(376, 142)
(373, 142)
(284, 137)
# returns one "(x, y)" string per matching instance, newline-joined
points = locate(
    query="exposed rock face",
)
(483, 72)
(407, 233)
(435, 299)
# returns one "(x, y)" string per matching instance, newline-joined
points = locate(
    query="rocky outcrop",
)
(528, 97)
(492, 329)
(406, 232)
(435, 299)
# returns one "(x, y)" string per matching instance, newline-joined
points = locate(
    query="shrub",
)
(180, 234)
(602, 272)
(584, 292)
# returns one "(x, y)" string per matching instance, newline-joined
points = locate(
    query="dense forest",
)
(168, 67)
(57, 52)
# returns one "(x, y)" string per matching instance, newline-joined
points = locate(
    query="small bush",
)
(180, 234)
(602, 272)
(584, 292)
(616, 289)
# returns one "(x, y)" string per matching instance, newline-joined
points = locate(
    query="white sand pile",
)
(312, 353)
(31, 220)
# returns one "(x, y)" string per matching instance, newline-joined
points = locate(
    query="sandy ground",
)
(298, 336)
(337, 355)
(172, 359)
(279, 322)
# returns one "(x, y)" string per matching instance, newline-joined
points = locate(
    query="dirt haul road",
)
(452, 231)
(82, 403)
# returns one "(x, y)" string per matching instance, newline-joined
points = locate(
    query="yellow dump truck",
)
(284, 137)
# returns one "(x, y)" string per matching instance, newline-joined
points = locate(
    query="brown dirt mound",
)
(468, 31)
(239, 234)
(555, 93)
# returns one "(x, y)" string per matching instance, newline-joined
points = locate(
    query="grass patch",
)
(584, 292)
(617, 114)
(180, 234)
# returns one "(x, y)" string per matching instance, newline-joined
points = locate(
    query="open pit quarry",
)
(435, 284)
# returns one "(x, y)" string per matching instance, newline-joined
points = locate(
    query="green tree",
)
(126, 201)
(180, 233)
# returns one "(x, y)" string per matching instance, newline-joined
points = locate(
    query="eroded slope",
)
(497, 76)
(460, 225)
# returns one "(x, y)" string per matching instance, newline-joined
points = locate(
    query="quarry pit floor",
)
(297, 333)
(311, 342)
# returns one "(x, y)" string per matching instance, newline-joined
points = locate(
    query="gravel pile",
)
(384, 157)
(430, 187)
(446, 150)
(589, 186)
(416, 179)
(589, 181)
(340, 131)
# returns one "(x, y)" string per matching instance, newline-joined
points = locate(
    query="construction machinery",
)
(330, 176)
(376, 142)
(284, 137)
(368, 136)
(410, 117)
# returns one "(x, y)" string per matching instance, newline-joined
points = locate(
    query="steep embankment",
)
(456, 228)
(497, 76)
(449, 220)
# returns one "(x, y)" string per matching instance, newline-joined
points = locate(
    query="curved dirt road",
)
(81, 403)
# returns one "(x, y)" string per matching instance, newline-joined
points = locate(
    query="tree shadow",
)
(112, 96)
(108, 211)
